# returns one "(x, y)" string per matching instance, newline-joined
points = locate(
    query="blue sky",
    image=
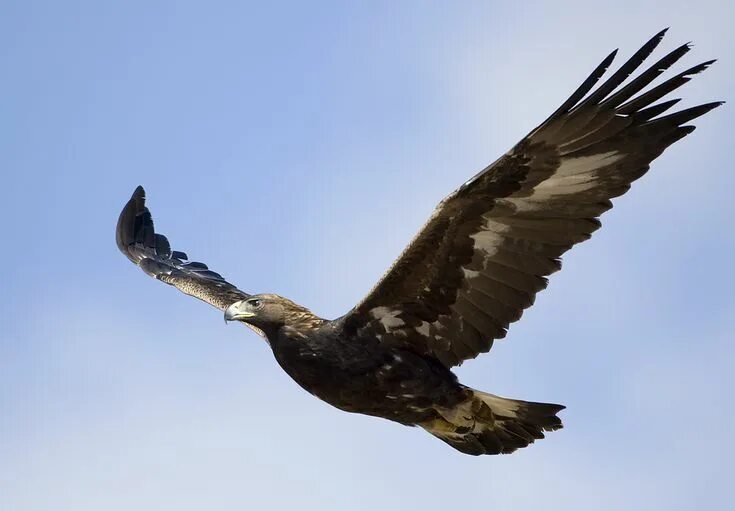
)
(296, 148)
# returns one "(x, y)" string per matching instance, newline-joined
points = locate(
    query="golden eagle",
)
(469, 273)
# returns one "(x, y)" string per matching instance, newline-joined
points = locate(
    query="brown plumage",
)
(471, 271)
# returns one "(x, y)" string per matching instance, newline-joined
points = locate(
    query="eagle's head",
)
(269, 312)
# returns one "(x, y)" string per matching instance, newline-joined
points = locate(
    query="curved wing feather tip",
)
(137, 240)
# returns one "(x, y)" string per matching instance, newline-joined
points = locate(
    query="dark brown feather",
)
(137, 239)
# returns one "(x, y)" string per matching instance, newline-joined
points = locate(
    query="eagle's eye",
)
(255, 303)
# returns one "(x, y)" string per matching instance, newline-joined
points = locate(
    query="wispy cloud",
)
(298, 153)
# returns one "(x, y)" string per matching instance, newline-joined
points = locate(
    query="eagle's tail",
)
(489, 424)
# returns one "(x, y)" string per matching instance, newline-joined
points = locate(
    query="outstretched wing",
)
(489, 246)
(137, 239)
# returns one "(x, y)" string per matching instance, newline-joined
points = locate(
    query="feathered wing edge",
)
(579, 111)
(137, 240)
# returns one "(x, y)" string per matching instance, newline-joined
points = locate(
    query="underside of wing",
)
(488, 248)
(137, 239)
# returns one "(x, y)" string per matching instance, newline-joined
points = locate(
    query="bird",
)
(471, 271)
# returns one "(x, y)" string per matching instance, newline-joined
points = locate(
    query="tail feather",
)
(489, 424)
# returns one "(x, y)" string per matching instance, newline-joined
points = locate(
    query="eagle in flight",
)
(469, 273)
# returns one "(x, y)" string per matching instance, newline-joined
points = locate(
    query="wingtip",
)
(696, 69)
(653, 42)
(607, 62)
(125, 230)
(712, 104)
(656, 39)
(708, 63)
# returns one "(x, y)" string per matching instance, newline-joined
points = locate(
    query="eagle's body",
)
(356, 372)
(471, 271)
(364, 376)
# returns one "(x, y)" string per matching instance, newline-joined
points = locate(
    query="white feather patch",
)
(470, 274)
(423, 329)
(586, 164)
(387, 317)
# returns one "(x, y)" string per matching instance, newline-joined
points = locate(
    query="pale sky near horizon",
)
(296, 148)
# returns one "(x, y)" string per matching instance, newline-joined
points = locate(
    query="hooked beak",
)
(234, 312)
